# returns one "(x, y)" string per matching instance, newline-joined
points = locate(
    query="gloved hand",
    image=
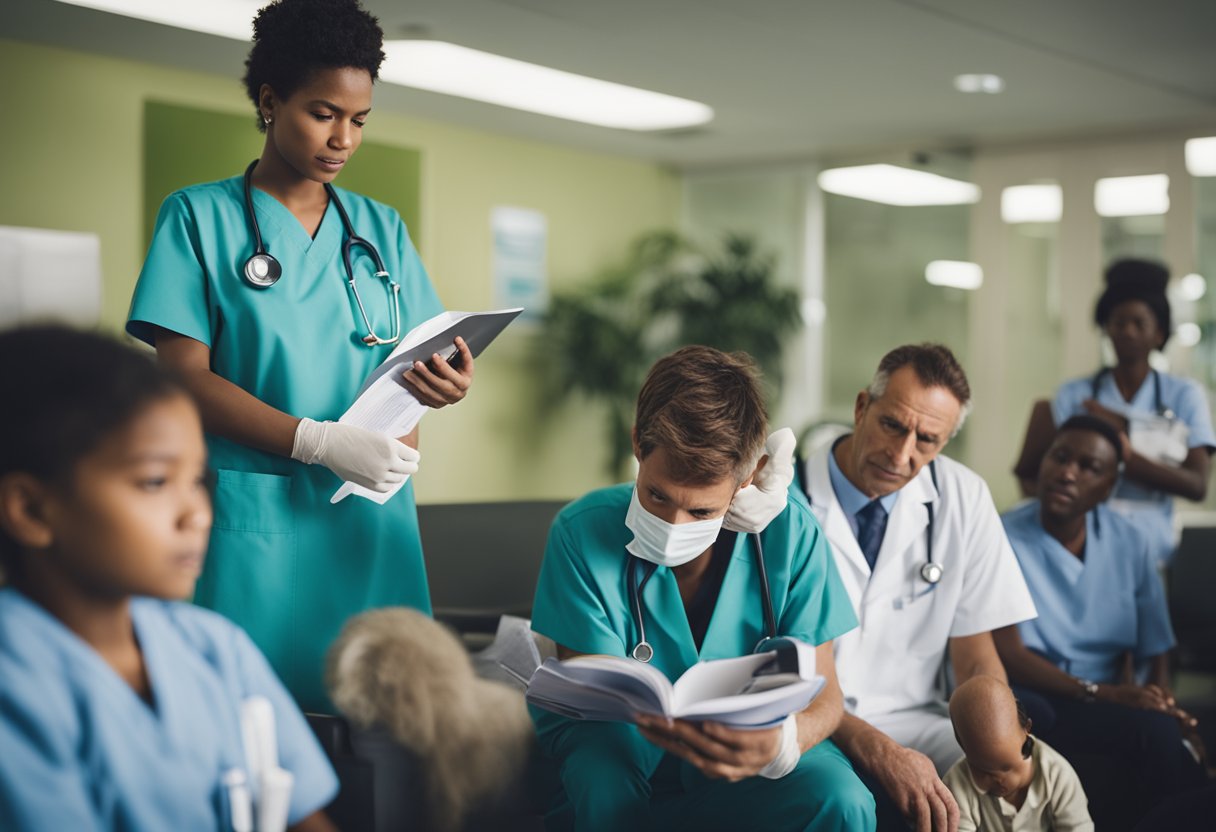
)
(355, 454)
(755, 506)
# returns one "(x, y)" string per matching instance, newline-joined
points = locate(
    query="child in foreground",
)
(120, 707)
(1009, 780)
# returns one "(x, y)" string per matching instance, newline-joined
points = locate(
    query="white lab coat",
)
(889, 667)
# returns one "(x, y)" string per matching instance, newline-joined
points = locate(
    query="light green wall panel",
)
(187, 145)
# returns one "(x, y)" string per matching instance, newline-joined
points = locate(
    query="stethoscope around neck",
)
(643, 651)
(1158, 405)
(262, 270)
(931, 572)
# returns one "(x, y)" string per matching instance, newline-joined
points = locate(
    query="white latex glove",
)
(355, 454)
(755, 506)
(789, 754)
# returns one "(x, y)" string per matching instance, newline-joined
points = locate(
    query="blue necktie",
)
(871, 526)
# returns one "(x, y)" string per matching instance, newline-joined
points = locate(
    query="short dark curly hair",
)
(1135, 279)
(294, 38)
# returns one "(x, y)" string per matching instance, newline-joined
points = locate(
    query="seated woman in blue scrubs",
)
(273, 367)
(1159, 411)
(1094, 581)
(698, 437)
(120, 706)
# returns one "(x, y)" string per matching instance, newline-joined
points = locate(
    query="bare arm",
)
(975, 656)
(821, 718)
(1040, 430)
(907, 775)
(227, 410)
(1190, 481)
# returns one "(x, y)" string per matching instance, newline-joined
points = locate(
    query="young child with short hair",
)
(120, 706)
(1009, 780)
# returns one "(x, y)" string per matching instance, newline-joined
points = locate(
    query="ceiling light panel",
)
(892, 185)
(1201, 156)
(979, 83)
(1132, 196)
(227, 18)
(957, 274)
(468, 73)
(1031, 203)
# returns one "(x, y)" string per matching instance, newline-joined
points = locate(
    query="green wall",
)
(75, 157)
(187, 145)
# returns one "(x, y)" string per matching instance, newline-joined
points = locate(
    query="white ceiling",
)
(788, 79)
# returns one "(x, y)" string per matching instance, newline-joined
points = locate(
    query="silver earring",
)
(267, 120)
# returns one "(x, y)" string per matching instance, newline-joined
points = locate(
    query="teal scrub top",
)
(582, 596)
(283, 563)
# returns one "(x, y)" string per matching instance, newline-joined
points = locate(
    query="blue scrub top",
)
(582, 596)
(283, 562)
(82, 751)
(1090, 611)
(1155, 515)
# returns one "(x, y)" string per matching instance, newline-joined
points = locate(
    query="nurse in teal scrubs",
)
(698, 435)
(272, 368)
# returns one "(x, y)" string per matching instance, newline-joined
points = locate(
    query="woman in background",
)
(273, 362)
(1165, 416)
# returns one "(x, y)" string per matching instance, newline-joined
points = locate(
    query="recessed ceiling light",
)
(1031, 203)
(469, 73)
(957, 274)
(979, 82)
(1188, 334)
(1201, 156)
(227, 18)
(1192, 287)
(1132, 196)
(894, 185)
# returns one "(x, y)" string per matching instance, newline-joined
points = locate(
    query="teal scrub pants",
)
(608, 786)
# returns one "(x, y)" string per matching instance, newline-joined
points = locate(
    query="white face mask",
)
(667, 544)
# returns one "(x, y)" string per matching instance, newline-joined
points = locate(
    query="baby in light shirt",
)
(1009, 779)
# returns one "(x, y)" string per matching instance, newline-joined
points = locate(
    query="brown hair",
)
(934, 365)
(705, 407)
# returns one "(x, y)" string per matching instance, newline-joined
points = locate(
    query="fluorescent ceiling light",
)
(979, 82)
(227, 18)
(452, 70)
(1192, 287)
(469, 73)
(1132, 196)
(1201, 156)
(893, 185)
(1031, 203)
(957, 274)
(1188, 334)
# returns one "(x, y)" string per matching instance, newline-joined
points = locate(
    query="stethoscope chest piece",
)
(642, 652)
(931, 573)
(262, 271)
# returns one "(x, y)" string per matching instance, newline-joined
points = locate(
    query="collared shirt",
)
(850, 497)
(1055, 799)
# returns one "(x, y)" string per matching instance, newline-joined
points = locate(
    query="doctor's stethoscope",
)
(262, 270)
(931, 572)
(1162, 411)
(642, 651)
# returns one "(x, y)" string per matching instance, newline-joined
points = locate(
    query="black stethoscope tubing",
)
(930, 571)
(1158, 405)
(262, 270)
(642, 651)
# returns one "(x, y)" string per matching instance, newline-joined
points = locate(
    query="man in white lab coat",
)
(924, 558)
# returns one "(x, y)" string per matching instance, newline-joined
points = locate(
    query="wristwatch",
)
(1090, 690)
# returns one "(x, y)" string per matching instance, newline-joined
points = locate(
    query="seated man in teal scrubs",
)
(699, 436)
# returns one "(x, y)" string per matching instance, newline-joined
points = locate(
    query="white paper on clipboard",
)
(385, 405)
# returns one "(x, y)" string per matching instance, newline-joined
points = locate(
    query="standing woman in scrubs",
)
(1157, 410)
(273, 368)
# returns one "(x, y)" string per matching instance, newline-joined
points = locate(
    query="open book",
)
(384, 404)
(755, 691)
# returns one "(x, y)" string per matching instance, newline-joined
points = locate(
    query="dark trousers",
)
(1129, 760)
